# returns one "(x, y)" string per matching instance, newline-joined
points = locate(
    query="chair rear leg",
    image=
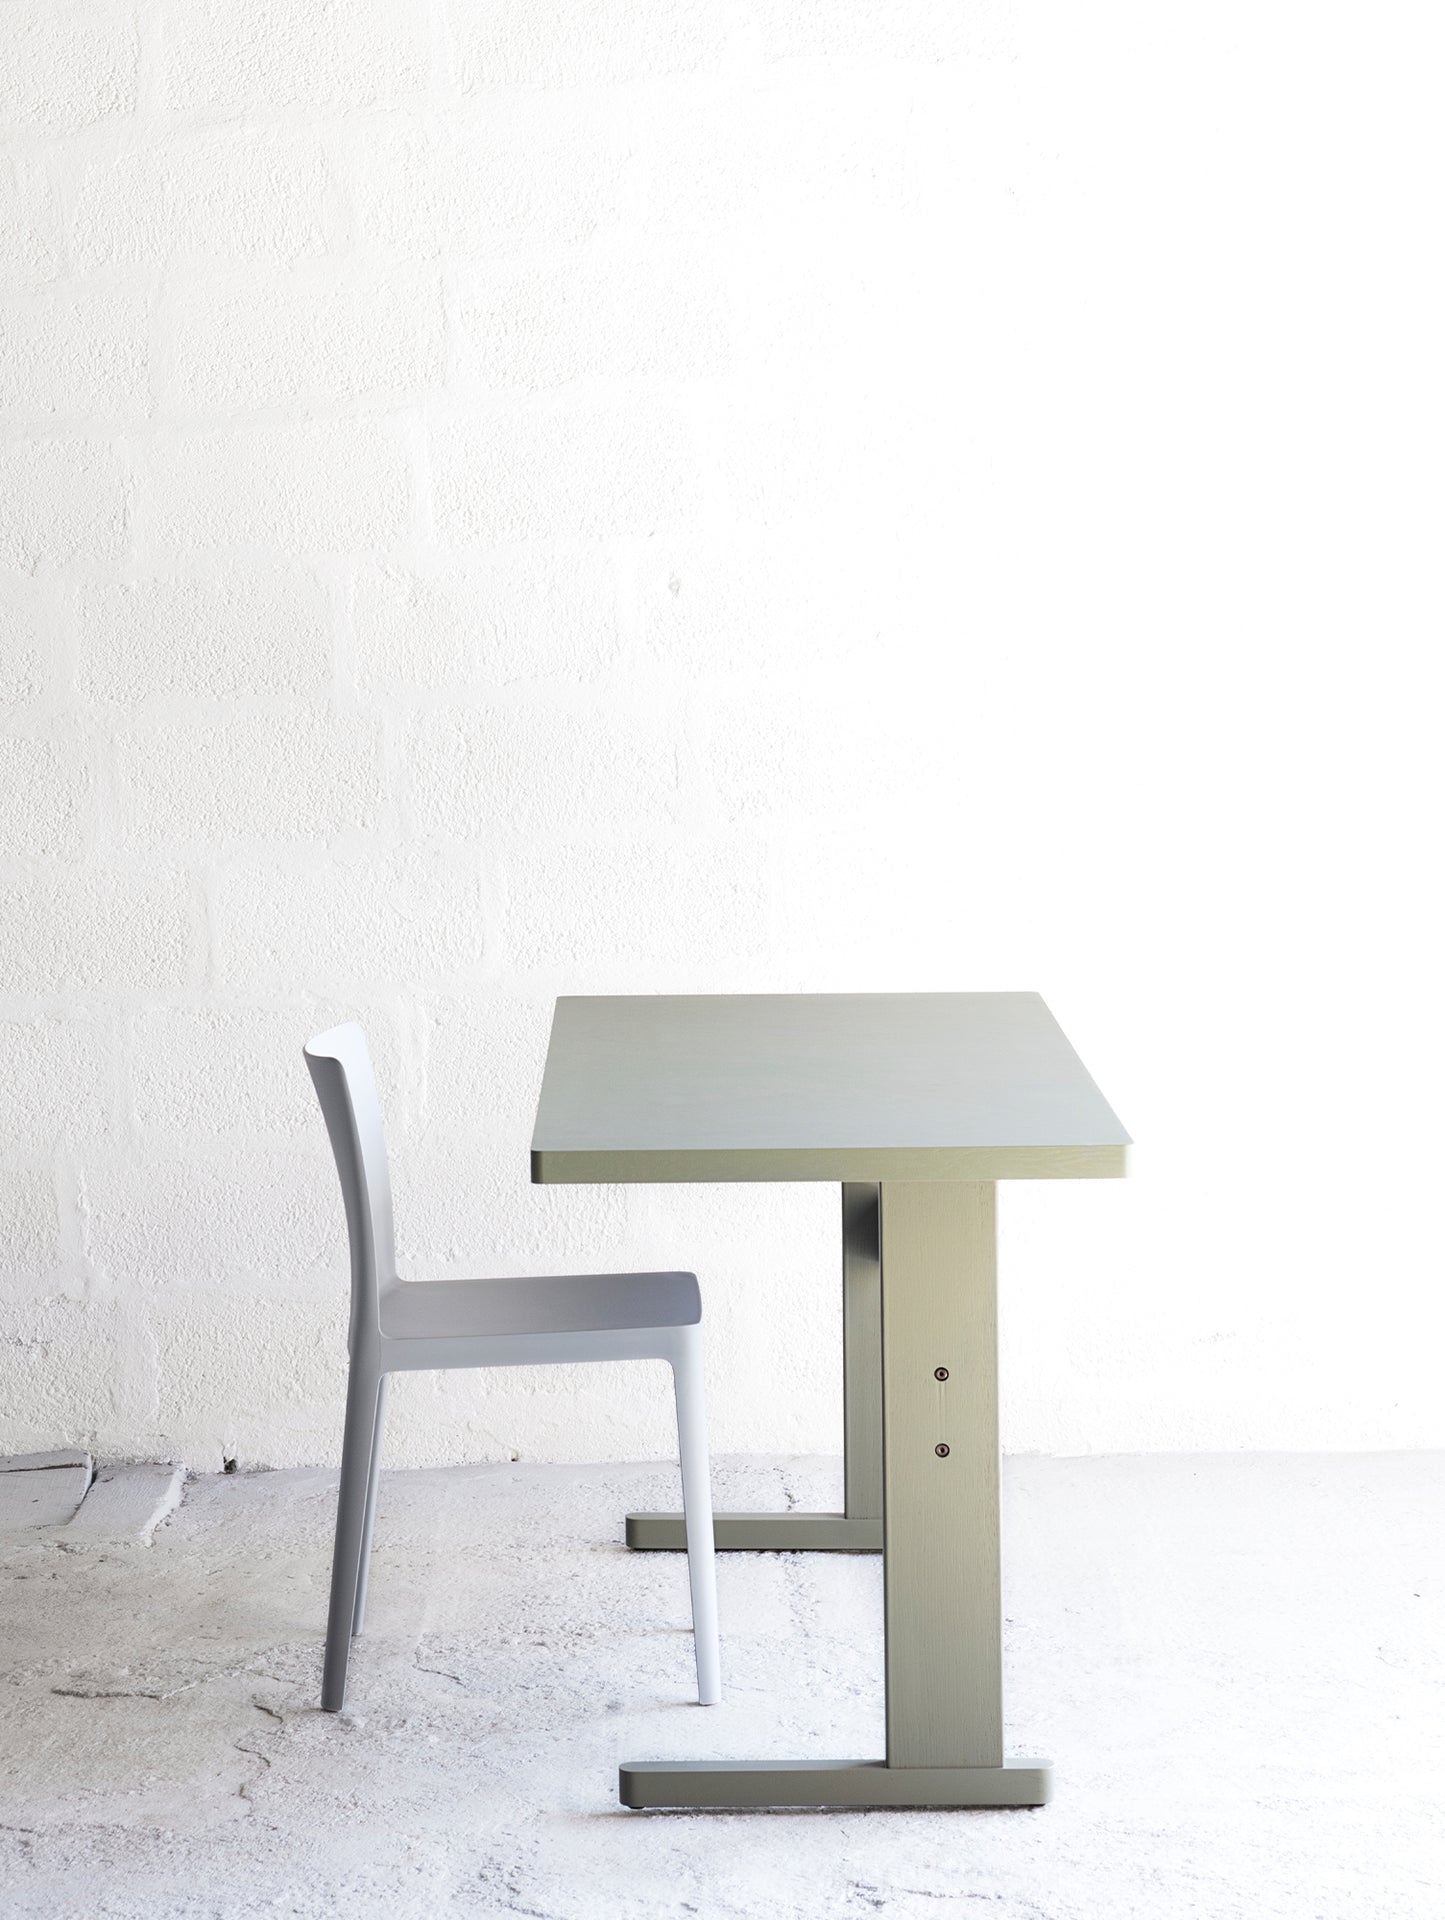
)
(697, 1511)
(361, 1398)
(373, 1475)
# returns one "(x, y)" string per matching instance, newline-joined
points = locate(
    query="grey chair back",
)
(340, 1068)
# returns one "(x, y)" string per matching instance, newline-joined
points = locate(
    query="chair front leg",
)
(362, 1393)
(373, 1476)
(697, 1510)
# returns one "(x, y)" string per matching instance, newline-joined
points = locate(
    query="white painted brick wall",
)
(567, 470)
(49, 781)
(536, 325)
(524, 771)
(223, 59)
(293, 337)
(623, 495)
(246, 629)
(510, 176)
(30, 1222)
(55, 1075)
(78, 352)
(97, 926)
(528, 613)
(31, 244)
(208, 195)
(304, 775)
(276, 488)
(68, 64)
(61, 501)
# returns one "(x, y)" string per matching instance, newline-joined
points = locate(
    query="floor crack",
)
(442, 1673)
(246, 1787)
(125, 1693)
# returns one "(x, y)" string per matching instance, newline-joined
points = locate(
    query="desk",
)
(916, 1105)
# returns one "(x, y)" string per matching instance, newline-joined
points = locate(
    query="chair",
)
(396, 1326)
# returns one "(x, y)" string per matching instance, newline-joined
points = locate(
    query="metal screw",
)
(942, 1449)
(940, 1373)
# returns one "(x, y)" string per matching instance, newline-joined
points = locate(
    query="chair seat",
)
(551, 1303)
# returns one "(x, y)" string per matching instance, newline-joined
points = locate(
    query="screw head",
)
(942, 1449)
(940, 1373)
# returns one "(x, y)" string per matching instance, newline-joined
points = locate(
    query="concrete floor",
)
(1237, 1665)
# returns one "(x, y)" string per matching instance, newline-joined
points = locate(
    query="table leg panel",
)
(829, 1783)
(942, 1603)
(862, 1354)
(936, 1364)
(771, 1532)
(859, 1528)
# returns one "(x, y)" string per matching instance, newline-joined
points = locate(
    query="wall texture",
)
(565, 495)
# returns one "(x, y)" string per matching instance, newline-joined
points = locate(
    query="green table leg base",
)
(760, 1533)
(829, 1783)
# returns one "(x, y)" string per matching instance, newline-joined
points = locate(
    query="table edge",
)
(569, 1166)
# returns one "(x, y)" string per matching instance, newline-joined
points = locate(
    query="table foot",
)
(760, 1533)
(829, 1783)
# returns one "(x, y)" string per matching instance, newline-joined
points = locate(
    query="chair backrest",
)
(345, 1085)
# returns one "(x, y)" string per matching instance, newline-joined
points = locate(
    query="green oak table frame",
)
(916, 1105)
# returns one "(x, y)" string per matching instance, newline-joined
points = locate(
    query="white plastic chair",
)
(396, 1325)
